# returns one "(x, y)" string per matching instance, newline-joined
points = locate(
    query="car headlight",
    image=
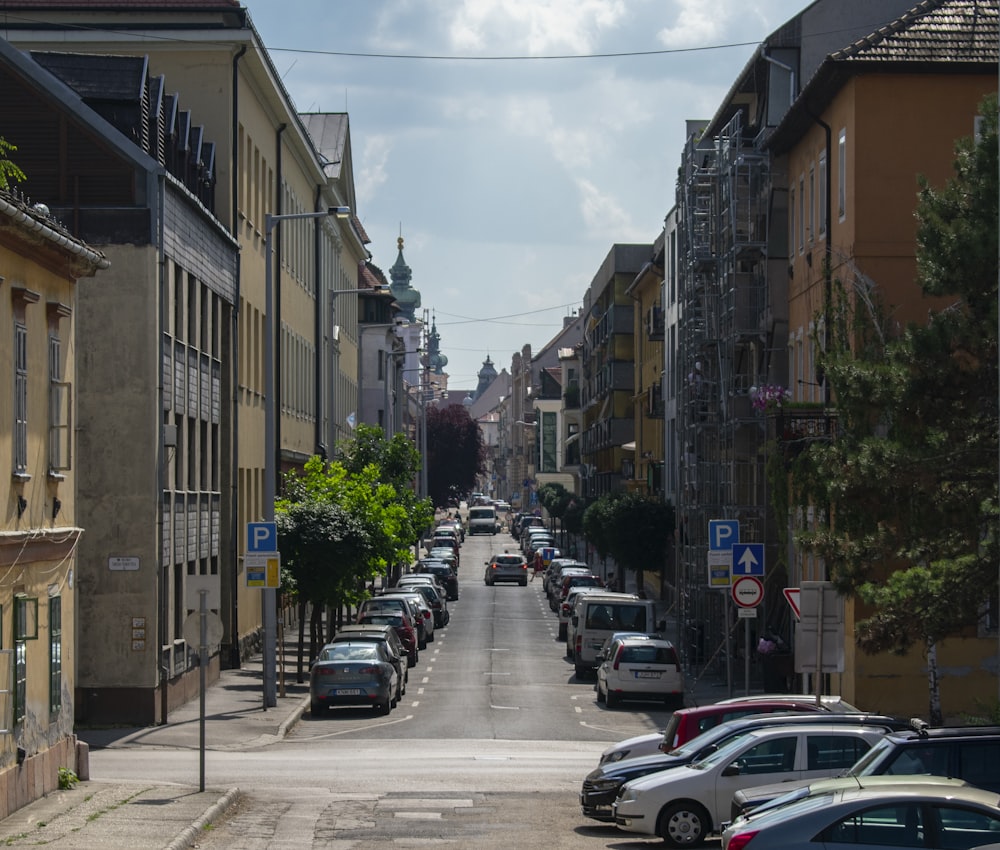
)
(628, 795)
(616, 756)
(605, 784)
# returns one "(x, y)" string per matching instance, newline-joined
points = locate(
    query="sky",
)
(511, 143)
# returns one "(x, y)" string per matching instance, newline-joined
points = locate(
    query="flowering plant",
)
(769, 396)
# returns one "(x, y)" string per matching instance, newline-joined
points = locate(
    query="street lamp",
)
(268, 594)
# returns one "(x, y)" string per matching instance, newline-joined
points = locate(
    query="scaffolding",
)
(726, 347)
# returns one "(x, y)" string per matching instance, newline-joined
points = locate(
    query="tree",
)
(9, 172)
(633, 528)
(907, 491)
(455, 452)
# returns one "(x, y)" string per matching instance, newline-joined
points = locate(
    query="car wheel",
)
(675, 701)
(683, 825)
(316, 710)
(383, 708)
(581, 672)
(431, 638)
(524, 582)
(611, 700)
(562, 632)
(600, 694)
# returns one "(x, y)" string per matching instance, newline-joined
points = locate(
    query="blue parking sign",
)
(722, 534)
(262, 537)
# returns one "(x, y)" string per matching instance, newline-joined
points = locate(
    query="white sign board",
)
(821, 628)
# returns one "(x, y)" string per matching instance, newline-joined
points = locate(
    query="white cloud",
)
(373, 172)
(533, 27)
(603, 214)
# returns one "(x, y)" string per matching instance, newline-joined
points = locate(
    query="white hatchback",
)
(640, 667)
(683, 805)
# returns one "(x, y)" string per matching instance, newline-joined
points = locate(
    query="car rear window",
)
(648, 655)
(508, 560)
(620, 617)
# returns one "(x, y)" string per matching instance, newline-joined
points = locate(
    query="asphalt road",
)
(486, 750)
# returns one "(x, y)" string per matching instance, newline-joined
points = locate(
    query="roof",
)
(933, 31)
(933, 37)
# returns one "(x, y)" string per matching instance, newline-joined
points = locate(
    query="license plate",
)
(647, 674)
(347, 692)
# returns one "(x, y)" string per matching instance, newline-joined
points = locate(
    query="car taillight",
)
(578, 643)
(742, 839)
(370, 670)
(618, 658)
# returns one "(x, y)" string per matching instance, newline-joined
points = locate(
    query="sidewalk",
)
(103, 814)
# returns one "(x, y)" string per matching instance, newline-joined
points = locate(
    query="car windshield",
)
(867, 765)
(382, 620)
(723, 755)
(349, 652)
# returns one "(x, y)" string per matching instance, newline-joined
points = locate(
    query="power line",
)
(466, 320)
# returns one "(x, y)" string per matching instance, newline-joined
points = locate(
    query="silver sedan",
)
(914, 812)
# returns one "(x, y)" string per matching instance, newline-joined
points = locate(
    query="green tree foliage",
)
(635, 529)
(455, 452)
(907, 492)
(9, 172)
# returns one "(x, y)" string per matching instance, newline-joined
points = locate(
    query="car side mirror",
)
(731, 769)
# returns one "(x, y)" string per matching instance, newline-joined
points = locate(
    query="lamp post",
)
(268, 595)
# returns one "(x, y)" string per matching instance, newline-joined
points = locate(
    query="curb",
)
(188, 836)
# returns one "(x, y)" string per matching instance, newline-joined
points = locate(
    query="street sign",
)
(719, 568)
(792, 596)
(263, 569)
(748, 559)
(723, 533)
(262, 537)
(747, 591)
(819, 637)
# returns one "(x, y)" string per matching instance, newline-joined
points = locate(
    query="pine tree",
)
(908, 489)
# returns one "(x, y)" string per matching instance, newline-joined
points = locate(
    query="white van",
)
(483, 520)
(599, 615)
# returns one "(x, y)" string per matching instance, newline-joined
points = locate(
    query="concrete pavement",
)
(104, 814)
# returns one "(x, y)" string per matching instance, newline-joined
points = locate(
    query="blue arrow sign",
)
(748, 559)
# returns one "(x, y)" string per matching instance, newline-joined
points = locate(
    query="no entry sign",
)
(747, 591)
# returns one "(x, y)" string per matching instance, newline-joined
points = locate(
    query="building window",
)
(55, 654)
(821, 203)
(60, 409)
(810, 224)
(802, 213)
(791, 223)
(842, 174)
(20, 398)
(25, 629)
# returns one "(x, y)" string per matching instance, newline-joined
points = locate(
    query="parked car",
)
(507, 566)
(566, 607)
(688, 723)
(636, 668)
(444, 554)
(386, 603)
(971, 753)
(575, 580)
(427, 587)
(353, 673)
(683, 805)
(864, 812)
(455, 523)
(405, 630)
(601, 785)
(559, 569)
(445, 541)
(597, 616)
(444, 572)
(423, 612)
(381, 634)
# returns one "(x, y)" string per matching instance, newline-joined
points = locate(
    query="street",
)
(487, 749)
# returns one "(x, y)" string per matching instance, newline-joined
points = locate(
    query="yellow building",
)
(40, 263)
(875, 116)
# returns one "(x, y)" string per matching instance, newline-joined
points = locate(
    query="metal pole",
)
(202, 666)
(269, 615)
(746, 655)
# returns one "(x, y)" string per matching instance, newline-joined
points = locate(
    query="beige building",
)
(40, 264)
(264, 163)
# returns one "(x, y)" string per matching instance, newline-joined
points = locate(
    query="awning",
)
(629, 447)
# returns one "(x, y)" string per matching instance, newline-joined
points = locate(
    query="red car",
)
(404, 629)
(688, 723)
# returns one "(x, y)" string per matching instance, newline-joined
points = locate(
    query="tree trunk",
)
(299, 675)
(933, 685)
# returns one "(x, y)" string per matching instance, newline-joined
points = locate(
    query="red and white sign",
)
(792, 595)
(748, 591)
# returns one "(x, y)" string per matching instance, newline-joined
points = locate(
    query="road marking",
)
(418, 815)
(506, 707)
(424, 681)
(491, 673)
